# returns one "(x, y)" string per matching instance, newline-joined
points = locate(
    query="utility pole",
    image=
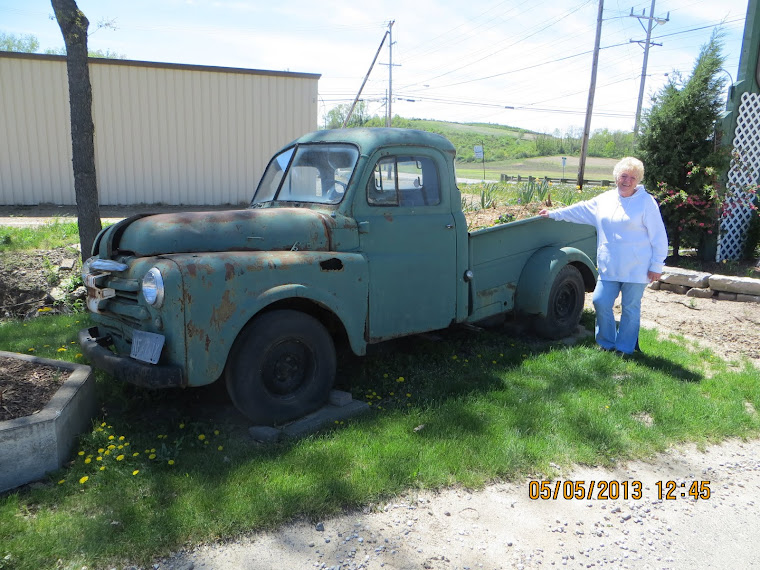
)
(591, 90)
(356, 99)
(650, 21)
(390, 72)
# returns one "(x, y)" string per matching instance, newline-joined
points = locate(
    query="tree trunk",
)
(74, 24)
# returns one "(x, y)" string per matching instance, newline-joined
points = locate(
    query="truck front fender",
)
(225, 290)
(539, 272)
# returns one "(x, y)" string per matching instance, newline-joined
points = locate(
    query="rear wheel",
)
(565, 305)
(281, 367)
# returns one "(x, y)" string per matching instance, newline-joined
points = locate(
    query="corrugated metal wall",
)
(164, 134)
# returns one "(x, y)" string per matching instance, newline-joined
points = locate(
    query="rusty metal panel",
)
(224, 291)
(171, 134)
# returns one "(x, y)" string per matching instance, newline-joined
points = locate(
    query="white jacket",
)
(631, 238)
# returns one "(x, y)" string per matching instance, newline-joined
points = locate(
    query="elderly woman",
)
(631, 250)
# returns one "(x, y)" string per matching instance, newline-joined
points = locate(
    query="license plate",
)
(146, 346)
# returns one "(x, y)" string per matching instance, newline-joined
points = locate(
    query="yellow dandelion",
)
(78, 355)
(408, 395)
(454, 357)
(385, 376)
(111, 437)
(31, 350)
(135, 472)
(220, 448)
(81, 453)
(84, 480)
(181, 426)
(101, 450)
(62, 349)
(88, 460)
(216, 432)
(102, 467)
(119, 458)
(135, 454)
(400, 379)
(201, 437)
(171, 462)
(121, 438)
(62, 481)
(111, 447)
(152, 456)
(103, 424)
(98, 458)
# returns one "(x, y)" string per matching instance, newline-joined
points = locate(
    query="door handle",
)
(449, 226)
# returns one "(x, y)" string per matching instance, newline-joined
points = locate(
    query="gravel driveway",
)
(500, 527)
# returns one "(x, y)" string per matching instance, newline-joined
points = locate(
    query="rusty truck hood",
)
(265, 229)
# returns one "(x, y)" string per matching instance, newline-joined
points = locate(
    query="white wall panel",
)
(164, 134)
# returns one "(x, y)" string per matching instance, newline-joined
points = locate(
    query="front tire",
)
(565, 305)
(281, 367)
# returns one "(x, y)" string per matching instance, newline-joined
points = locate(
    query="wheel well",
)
(589, 280)
(330, 321)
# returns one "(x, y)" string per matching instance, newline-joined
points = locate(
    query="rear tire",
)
(281, 367)
(565, 305)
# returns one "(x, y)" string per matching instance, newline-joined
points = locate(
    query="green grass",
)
(47, 236)
(463, 409)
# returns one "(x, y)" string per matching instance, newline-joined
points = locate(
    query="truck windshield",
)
(317, 173)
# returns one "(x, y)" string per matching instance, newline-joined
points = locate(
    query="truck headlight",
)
(153, 287)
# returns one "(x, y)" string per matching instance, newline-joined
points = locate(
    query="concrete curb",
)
(32, 446)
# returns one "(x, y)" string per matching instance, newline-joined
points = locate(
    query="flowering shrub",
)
(694, 211)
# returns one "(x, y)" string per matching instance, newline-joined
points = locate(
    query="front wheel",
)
(281, 367)
(565, 305)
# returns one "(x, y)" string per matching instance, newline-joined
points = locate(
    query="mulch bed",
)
(26, 387)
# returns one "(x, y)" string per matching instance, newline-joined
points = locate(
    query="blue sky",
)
(453, 60)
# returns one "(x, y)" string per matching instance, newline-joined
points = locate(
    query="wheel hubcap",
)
(287, 367)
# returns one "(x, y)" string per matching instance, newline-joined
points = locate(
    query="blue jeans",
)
(609, 335)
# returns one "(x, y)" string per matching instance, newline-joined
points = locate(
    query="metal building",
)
(164, 133)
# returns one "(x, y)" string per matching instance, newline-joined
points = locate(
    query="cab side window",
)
(404, 181)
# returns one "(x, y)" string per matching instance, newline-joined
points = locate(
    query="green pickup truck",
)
(353, 236)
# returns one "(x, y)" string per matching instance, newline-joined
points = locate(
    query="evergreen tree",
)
(680, 138)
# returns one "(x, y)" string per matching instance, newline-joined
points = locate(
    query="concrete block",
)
(32, 446)
(339, 398)
(747, 298)
(673, 288)
(323, 417)
(265, 434)
(723, 296)
(686, 277)
(745, 285)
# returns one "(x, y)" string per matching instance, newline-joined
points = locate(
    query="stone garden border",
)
(708, 286)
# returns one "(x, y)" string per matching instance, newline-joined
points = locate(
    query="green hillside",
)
(505, 144)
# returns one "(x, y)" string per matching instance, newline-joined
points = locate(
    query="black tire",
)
(281, 367)
(565, 305)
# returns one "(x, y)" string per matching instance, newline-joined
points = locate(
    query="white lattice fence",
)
(743, 173)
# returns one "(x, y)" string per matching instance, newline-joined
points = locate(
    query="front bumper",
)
(95, 348)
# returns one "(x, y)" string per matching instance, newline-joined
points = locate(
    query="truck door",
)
(407, 232)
